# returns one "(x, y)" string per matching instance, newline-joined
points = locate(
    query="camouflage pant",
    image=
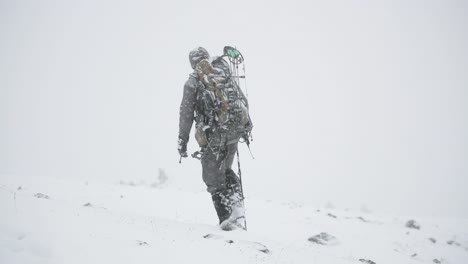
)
(223, 184)
(217, 173)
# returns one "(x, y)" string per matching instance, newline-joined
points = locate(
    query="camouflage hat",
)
(197, 55)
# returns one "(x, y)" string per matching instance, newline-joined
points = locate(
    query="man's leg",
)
(222, 182)
(236, 203)
(215, 180)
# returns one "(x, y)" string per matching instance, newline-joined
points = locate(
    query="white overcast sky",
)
(354, 102)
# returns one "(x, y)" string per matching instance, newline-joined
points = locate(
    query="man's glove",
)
(182, 148)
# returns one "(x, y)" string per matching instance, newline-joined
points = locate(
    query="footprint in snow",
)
(367, 261)
(91, 205)
(324, 239)
(41, 196)
(249, 244)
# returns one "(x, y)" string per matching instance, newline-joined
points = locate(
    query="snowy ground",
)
(51, 220)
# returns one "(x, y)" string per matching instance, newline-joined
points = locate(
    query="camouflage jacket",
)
(187, 115)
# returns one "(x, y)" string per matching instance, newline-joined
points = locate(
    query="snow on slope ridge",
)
(62, 221)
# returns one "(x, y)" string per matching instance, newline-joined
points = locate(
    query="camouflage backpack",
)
(222, 108)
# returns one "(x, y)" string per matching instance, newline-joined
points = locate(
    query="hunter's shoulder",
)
(191, 82)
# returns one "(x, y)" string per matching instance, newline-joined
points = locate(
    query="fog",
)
(355, 103)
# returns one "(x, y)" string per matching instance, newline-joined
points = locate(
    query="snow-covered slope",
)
(50, 220)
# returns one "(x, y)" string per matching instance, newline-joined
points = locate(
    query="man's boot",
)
(235, 201)
(236, 217)
(221, 206)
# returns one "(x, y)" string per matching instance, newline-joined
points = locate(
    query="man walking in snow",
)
(209, 94)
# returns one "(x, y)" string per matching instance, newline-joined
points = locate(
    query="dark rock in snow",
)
(142, 243)
(436, 261)
(87, 205)
(368, 261)
(332, 215)
(323, 239)
(41, 196)
(412, 224)
(433, 240)
(362, 219)
(453, 242)
(414, 255)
